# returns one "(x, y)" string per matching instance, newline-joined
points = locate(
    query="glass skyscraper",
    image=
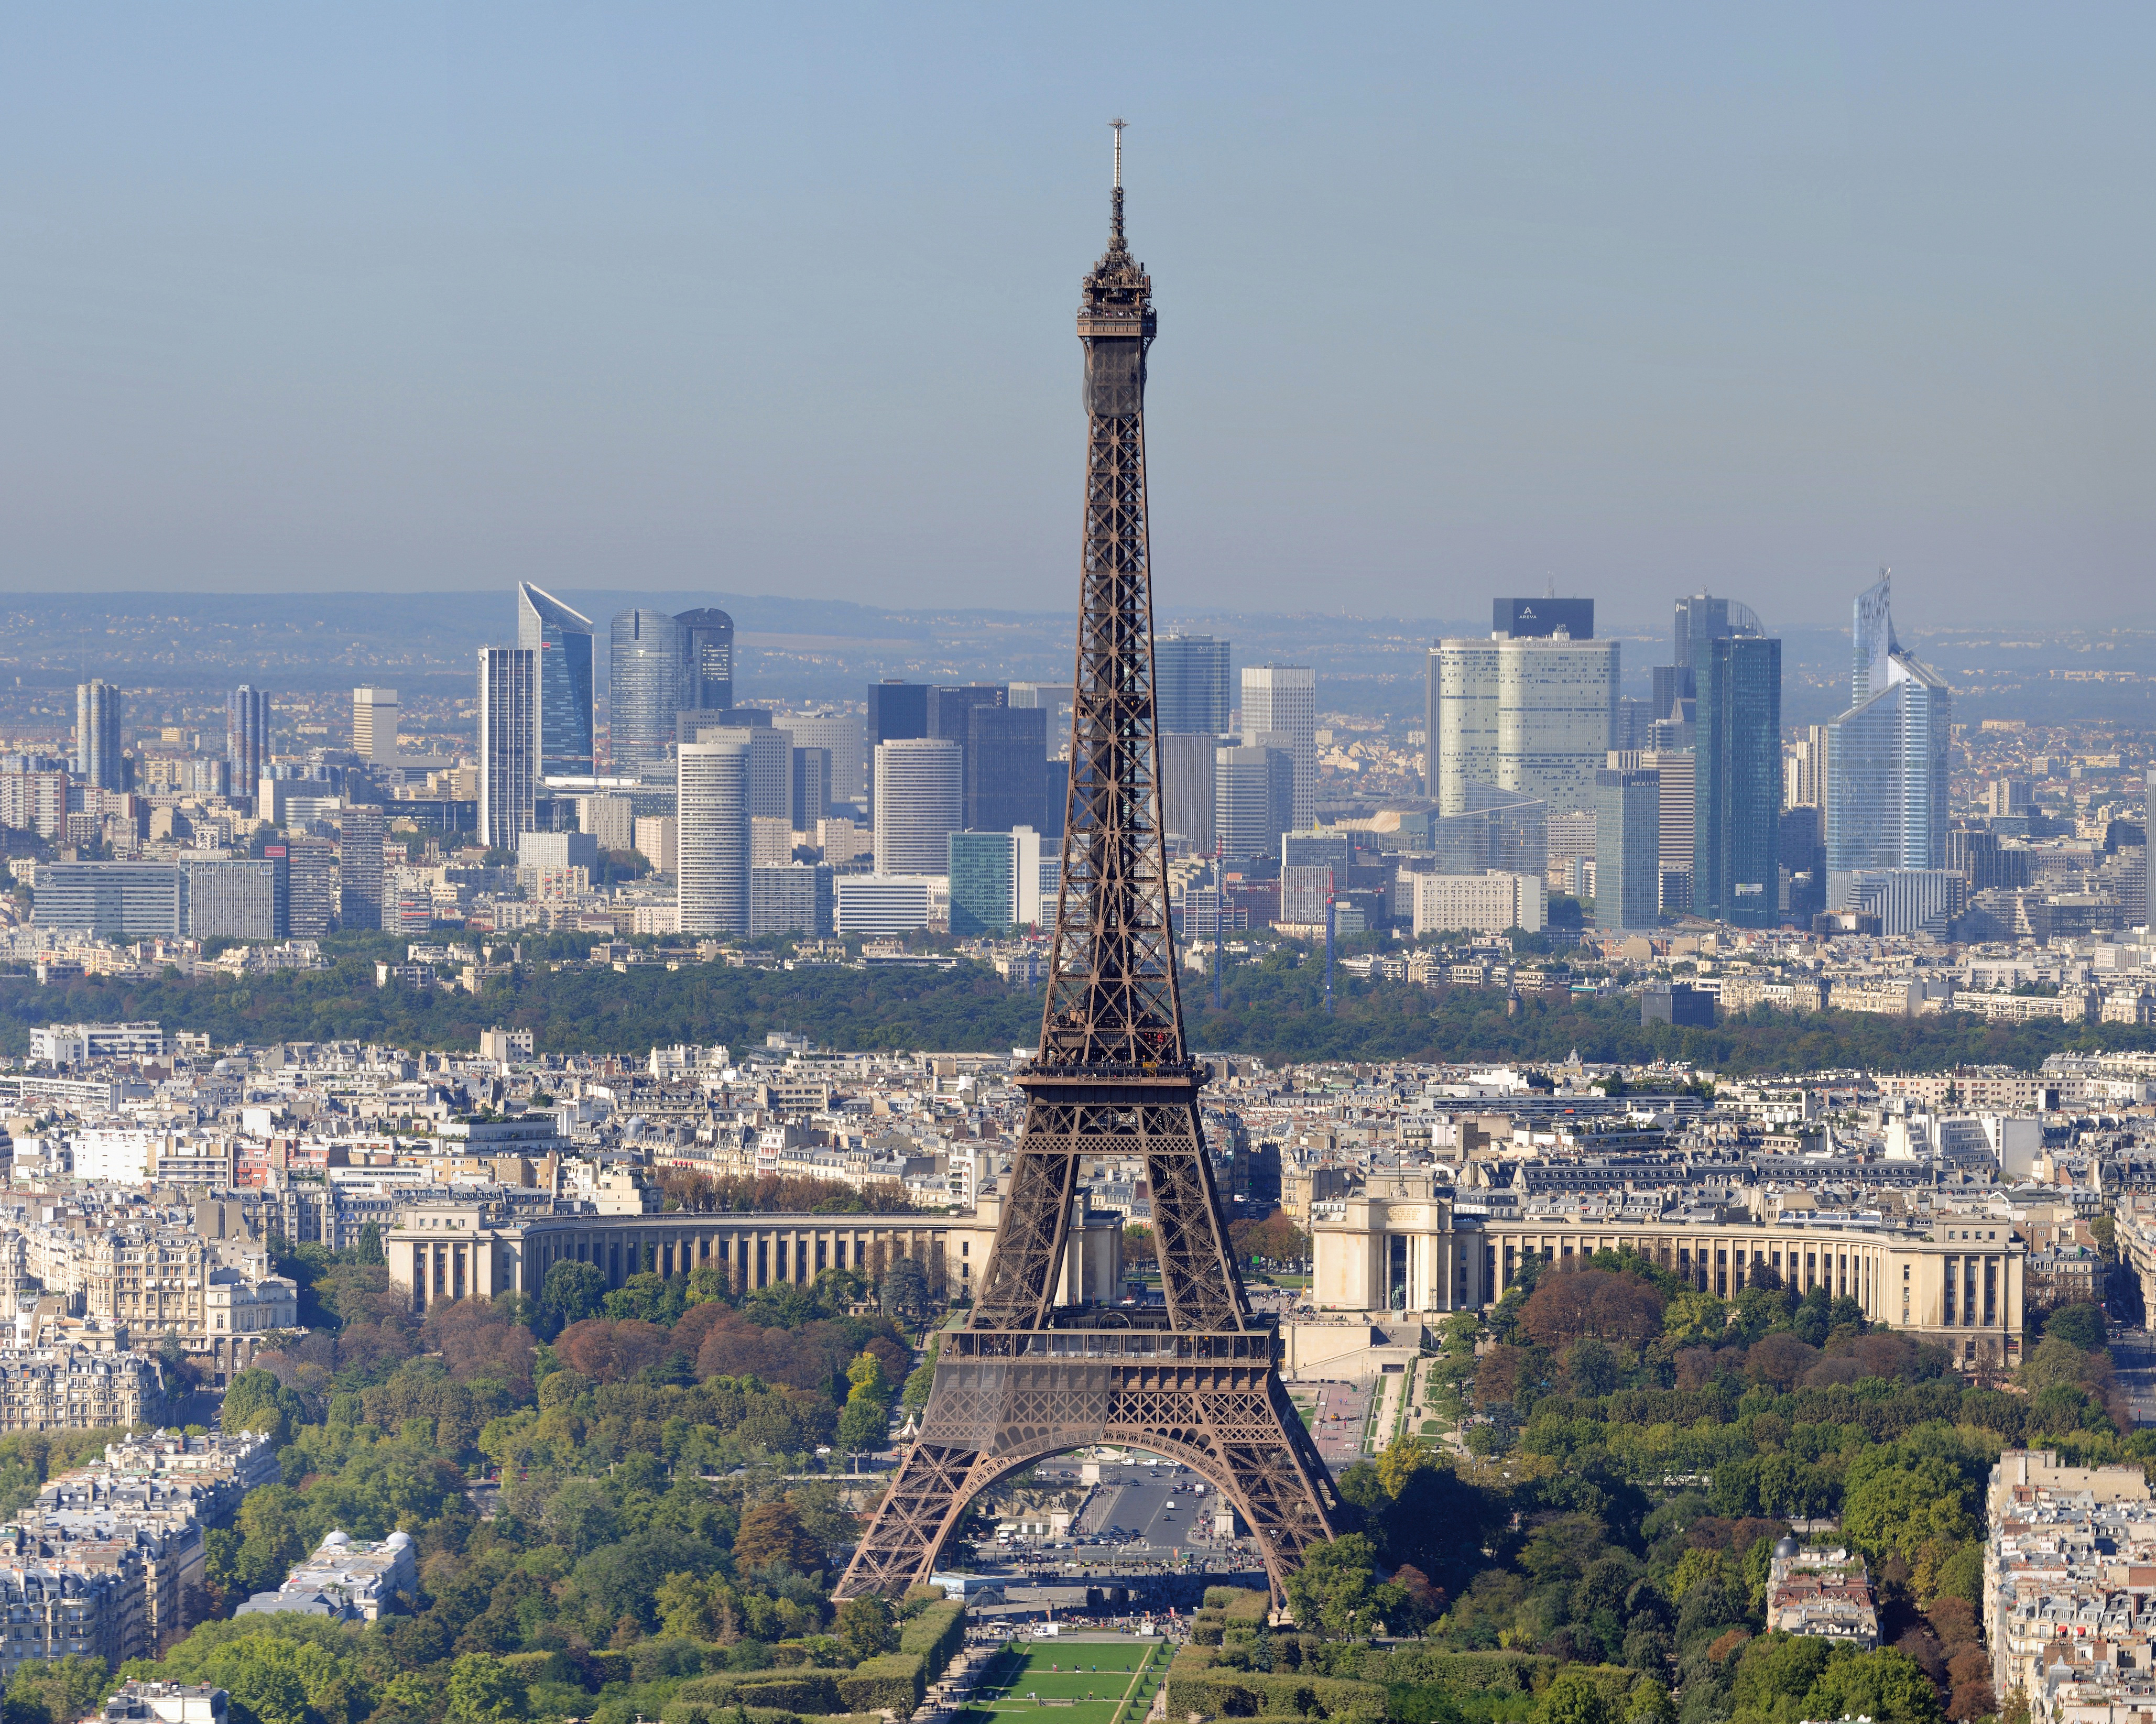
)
(644, 689)
(1886, 758)
(560, 641)
(1737, 797)
(707, 659)
(1191, 693)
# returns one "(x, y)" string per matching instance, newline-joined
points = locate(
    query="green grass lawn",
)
(1108, 1671)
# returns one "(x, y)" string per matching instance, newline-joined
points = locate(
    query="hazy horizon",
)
(412, 300)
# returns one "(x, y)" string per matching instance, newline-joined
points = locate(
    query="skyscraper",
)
(1533, 714)
(1886, 758)
(1191, 685)
(508, 696)
(97, 758)
(374, 717)
(995, 881)
(707, 659)
(712, 841)
(839, 732)
(1627, 849)
(560, 641)
(1188, 768)
(361, 829)
(1803, 770)
(1737, 800)
(1008, 785)
(644, 689)
(1542, 618)
(921, 801)
(246, 737)
(1697, 617)
(1282, 699)
(897, 711)
(1254, 801)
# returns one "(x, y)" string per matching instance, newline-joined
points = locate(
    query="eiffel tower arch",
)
(1194, 1379)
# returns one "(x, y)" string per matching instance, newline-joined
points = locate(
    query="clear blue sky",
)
(1453, 300)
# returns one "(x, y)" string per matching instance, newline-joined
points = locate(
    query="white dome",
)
(397, 1541)
(336, 1538)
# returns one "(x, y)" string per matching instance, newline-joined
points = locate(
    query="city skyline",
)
(1605, 323)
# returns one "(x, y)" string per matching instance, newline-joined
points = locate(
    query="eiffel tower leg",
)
(911, 1524)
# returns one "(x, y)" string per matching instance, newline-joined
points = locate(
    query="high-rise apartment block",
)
(1886, 758)
(654, 840)
(361, 832)
(712, 807)
(611, 820)
(790, 898)
(920, 801)
(375, 714)
(507, 744)
(1281, 701)
(97, 757)
(1627, 849)
(706, 638)
(1193, 695)
(643, 690)
(1737, 795)
(560, 641)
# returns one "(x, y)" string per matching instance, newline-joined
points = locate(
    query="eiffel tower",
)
(1027, 1377)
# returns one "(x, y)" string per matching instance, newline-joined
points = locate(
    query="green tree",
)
(1572, 1698)
(1890, 1504)
(571, 1292)
(256, 1401)
(906, 1296)
(59, 1692)
(482, 1690)
(1336, 1591)
(864, 1422)
(1886, 1685)
(867, 1626)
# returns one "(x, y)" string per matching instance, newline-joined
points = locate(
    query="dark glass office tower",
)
(707, 659)
(1699, 616)
(951, 717)
(1007, 751)
(1540, 618)
(560, 641)
(898, 712)
(1191, 687)
(1736, 806)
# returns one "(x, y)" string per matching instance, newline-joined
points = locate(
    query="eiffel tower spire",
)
(1039, 1368)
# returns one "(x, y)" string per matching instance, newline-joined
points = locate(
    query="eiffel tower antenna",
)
(1043, 1366)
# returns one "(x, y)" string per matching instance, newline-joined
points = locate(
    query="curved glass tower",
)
(560, 641)
(644, 689)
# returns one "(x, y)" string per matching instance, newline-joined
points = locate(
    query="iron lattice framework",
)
(1035, 1373)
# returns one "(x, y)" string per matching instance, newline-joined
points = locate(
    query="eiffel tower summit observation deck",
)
(1194, 1377)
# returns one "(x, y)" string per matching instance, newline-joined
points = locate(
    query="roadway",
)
(1161, 1510)
(2133, 1357)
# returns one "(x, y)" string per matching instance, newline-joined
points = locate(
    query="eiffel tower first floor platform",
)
(1003, 1400)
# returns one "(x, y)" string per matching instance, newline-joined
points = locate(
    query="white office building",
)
(920, 802)
(711, 865)
(1485, 904)
(876, 903)
(839, 733)
(1280, 710)
(1534, 715)
(374, 713)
